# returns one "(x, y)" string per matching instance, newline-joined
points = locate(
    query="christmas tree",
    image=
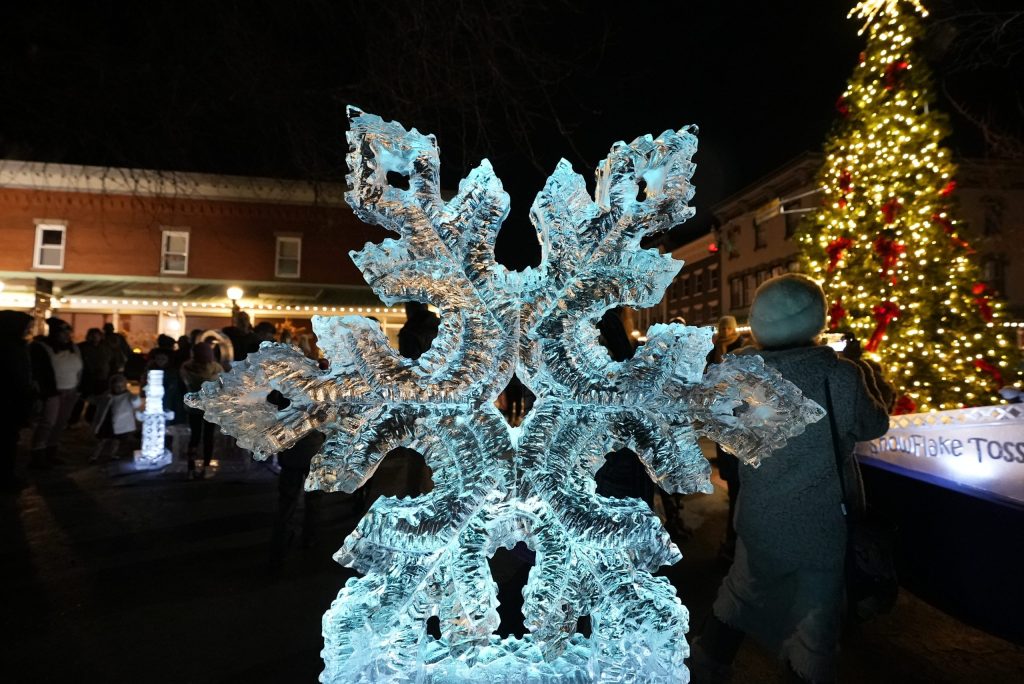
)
(898, 269)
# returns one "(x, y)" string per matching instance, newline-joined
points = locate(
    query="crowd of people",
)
(54, 382)
(787, 530)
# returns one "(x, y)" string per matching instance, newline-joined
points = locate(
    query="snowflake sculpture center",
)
(495, 485)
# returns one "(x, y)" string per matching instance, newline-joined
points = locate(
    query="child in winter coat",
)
(114, 422)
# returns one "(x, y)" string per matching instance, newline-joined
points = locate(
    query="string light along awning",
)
(128, 296)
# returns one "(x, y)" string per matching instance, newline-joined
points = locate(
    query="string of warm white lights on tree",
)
(898, 267)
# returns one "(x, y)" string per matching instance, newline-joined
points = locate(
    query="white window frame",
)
(280, 240)
(44, 225)
(171, 232)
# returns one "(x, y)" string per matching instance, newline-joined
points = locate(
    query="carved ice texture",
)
(154, 452)
(495, 485)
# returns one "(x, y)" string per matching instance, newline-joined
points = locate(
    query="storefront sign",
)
(977, 451)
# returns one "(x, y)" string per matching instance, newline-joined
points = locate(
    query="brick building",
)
(695, 294)
(757, 225)
(156, 251)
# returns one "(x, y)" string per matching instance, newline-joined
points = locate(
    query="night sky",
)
(259, 88)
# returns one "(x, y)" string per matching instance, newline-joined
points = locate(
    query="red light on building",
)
(712, 247)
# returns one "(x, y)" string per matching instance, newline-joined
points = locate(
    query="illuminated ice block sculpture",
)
(495, 485)
(154, 452)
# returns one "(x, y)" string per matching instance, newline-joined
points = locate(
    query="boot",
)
(704, 669)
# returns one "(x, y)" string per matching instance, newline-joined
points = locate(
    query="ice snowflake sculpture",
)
(495, 485)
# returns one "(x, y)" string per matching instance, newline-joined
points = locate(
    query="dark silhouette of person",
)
(18, 394)
(414, 339)
(881, 389)
(97, 367)
(265, 331)
(119, 347)
(57, 372)
(419, 331)
(622, 474)
(203, 367)
(294, 463)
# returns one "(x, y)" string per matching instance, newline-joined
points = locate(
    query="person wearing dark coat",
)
(728, 340)
(881, 388)
(97, 367)
(18, 393)
(162, 359)
(120, 350)
(202, 368)
(184, 352)
(785, 587)
(57, 372)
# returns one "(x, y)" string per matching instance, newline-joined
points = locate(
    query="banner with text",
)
(977, 451)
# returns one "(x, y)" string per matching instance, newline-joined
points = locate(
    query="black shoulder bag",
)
(871, 581)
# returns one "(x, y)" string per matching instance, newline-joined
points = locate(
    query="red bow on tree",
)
(889, 252)
(948, 190)
(884, 314)
(890, 209)
(835, 251)
(981, 301)
(842, 106)
(894, 72)
(836, 313)
(845, 182)
(904, 404)
(948, 229)
(990, 370)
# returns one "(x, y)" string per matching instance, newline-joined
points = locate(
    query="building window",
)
(684, 287)
(289, 257)
(713, 279)
(698, 282)
(994, 273)
(749, 287)
(51, 239)
(732, 238)
(735, 292)
(759, 239)
(993, 216)
(763, 275)
(174, 252)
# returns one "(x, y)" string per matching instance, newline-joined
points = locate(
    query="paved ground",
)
(150, 578)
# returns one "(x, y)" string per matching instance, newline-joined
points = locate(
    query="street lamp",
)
(234, 294)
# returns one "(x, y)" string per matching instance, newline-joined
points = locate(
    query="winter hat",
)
(787, 311)
(56, 324)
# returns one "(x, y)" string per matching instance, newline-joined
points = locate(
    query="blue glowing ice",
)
(495, 485)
